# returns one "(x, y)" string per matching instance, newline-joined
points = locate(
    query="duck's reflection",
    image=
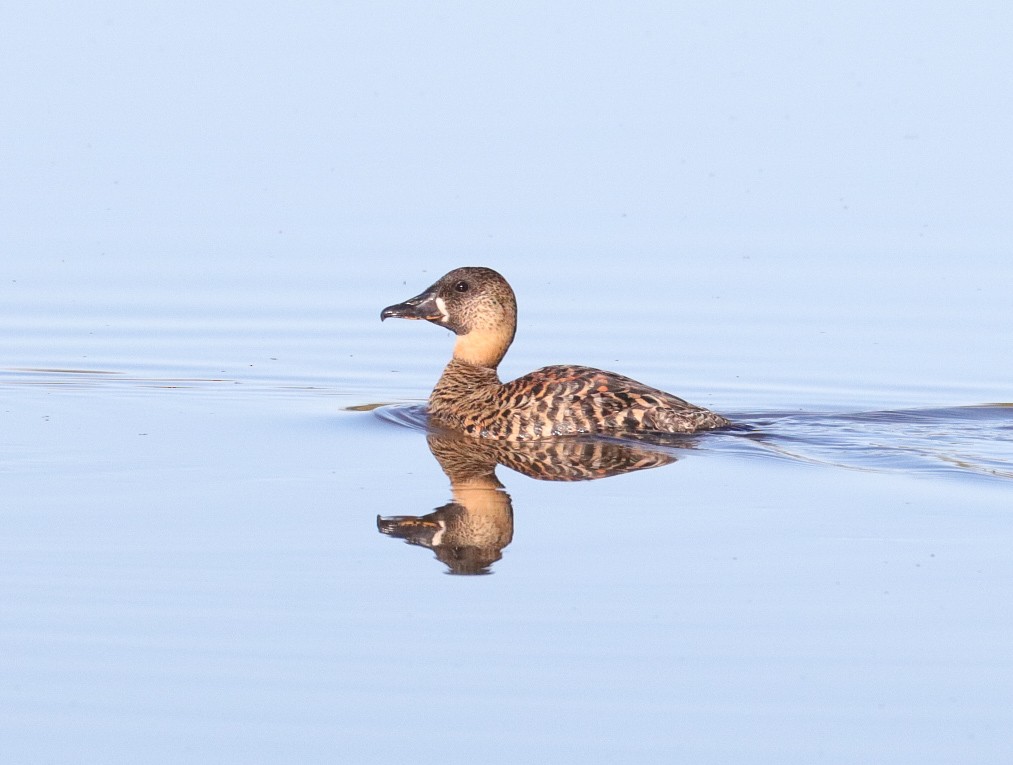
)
(469, 533)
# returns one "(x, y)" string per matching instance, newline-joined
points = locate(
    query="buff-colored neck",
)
(483, 348)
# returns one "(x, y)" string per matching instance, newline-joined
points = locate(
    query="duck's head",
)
(476, 304)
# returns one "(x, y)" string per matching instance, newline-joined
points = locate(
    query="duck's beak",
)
(422, 306)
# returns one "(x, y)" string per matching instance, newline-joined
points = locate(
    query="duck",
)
(478, 305)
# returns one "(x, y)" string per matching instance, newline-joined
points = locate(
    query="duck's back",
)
(558, 401)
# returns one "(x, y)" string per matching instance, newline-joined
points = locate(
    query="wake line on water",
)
(964, 440)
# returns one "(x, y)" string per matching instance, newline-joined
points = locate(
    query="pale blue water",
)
(799, 218)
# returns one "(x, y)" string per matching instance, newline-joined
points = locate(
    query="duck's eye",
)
(462, 286)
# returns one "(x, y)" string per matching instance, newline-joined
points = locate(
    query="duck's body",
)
(479, 306)
(558, 401)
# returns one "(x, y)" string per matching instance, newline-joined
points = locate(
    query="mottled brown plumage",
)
(479, 306)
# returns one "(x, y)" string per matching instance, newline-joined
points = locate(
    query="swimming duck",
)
(478, 305)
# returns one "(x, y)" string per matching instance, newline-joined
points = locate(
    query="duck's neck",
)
(483, 348)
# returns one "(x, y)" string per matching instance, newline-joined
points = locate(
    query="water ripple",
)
(966, 439)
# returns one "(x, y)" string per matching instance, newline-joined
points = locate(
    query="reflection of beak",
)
(418, 531)
(419, 307)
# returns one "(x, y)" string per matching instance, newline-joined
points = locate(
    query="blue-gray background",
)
(844, 124)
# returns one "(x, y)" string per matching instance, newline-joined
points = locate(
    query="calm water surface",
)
(204, 556)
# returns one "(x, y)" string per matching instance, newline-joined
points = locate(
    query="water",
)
(226, 534)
